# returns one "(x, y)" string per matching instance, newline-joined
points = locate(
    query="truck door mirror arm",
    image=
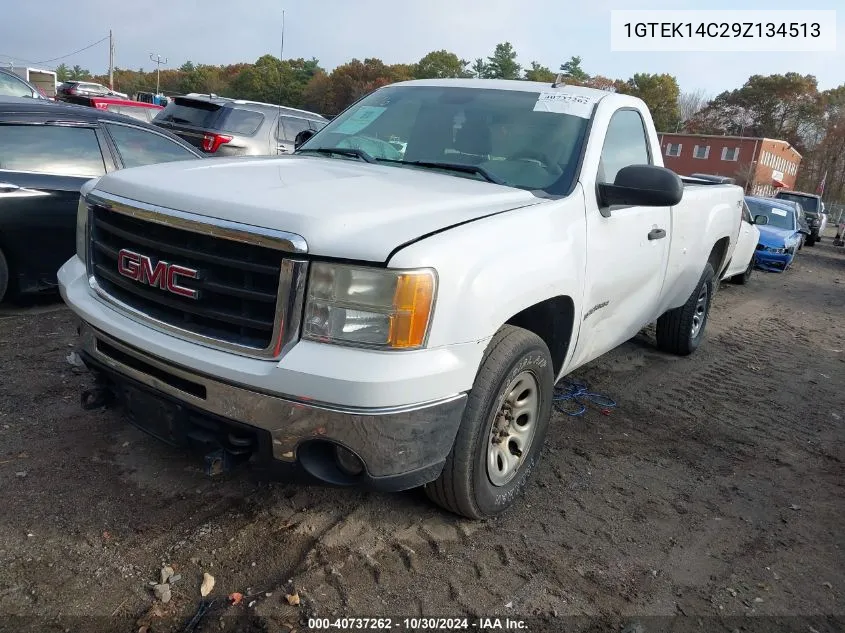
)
(641, 186)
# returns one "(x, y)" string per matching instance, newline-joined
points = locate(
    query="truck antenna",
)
(281, 61)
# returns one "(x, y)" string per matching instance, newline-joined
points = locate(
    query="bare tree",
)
(690, 103)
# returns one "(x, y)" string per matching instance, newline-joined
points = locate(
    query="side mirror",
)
(303, 136)
(641, 186)
(761, 219)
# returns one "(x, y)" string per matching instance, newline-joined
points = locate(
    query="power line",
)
(46, 61)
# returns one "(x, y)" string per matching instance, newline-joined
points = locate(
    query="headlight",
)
(371, 307)
(82, 230)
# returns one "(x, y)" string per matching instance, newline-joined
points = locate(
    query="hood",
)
(343, 209)
(773, 236)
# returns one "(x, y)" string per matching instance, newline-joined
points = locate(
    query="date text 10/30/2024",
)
(416, 624)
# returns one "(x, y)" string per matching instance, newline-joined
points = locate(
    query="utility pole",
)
(159, 60)
(111, 61)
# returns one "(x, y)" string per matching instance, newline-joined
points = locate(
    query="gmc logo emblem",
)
(161, 275)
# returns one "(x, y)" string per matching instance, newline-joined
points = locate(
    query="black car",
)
(69, 89)
(48, 151)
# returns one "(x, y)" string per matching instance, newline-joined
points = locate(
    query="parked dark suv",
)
(233, 127)
(48, 151)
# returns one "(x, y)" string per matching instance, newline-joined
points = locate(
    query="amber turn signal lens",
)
(412, 303)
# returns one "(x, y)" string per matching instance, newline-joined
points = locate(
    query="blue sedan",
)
(780, 233)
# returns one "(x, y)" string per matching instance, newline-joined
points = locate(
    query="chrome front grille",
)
(248, 287)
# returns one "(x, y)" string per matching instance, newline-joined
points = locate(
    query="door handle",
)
(656, 234)
(7, 187)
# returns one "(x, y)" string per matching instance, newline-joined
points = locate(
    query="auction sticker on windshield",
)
(360, 119)
(563, 103)
(779, 212)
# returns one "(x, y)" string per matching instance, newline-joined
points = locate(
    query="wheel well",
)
(717, 257)
(552, 320)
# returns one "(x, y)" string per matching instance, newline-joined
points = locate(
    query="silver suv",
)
(234, 127)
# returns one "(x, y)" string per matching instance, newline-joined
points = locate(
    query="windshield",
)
(494, 132)
(808, 203)
(779, 217)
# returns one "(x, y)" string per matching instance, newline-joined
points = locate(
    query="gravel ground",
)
(713, 492)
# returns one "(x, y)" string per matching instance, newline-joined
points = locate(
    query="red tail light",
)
(212, 142)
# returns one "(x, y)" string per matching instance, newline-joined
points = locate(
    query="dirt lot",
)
(714, 491)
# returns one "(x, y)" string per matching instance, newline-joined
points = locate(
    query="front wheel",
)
(679, 331)
(503, 428)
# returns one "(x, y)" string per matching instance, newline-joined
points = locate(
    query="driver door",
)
(627, 248)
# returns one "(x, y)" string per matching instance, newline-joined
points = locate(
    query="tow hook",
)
(218, 462)
(96, 398)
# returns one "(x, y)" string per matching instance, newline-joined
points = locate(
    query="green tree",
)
(660, 93)
(441, 65)
(537, 72)
(502, 64)
(479, 68)
(572, 70)
(273, 81)
(187, 67)
(62, 72)
(785, 107)
(78, 72)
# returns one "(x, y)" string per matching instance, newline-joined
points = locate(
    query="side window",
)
(242, 122)
(138, 147)
(51, 149)
(625, 144)
(289, 127)
(11, 87)
(746, 213)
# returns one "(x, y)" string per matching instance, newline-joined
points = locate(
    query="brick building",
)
(762, 165)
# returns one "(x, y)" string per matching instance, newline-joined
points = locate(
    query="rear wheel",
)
(811, 240)
(4, 276)
(744, 277)
(680, 331)
(503, 428)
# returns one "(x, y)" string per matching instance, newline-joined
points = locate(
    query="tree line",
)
(788, 106)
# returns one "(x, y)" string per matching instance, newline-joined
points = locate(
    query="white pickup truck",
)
(396, 314)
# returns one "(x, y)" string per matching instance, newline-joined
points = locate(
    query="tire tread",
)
(672, 325)
(451, 490)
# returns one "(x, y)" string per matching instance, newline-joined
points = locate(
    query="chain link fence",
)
(835, 213)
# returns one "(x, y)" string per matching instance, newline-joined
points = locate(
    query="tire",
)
(743, 278)
(4, 276)
(811, 240)
(474, 482)
(680, 331)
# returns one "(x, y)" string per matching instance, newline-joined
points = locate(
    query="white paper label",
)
(779, 212)
(563, 103)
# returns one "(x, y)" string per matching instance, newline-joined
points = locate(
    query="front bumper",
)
(400, 448)
(774, 262)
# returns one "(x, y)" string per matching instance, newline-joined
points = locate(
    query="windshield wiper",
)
(342, 151)
(467, 169)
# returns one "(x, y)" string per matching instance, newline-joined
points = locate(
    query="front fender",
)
(491, 269)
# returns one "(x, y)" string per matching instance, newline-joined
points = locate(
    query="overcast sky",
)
(334, 31)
